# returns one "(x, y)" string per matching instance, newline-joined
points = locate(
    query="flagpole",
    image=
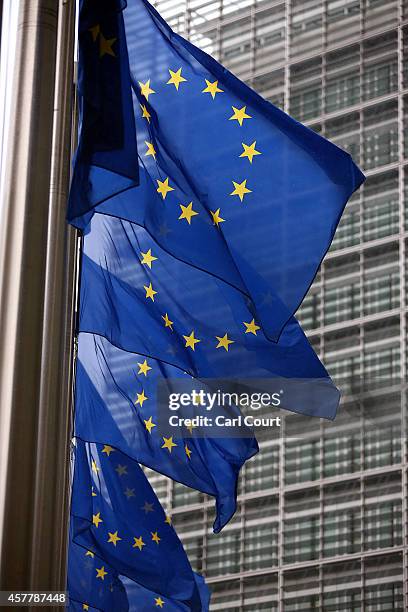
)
(37, 259)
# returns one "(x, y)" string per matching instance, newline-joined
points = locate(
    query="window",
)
(301, 539)
(342, 303)
(183, 495)
(383, 525)
(342, 92)
(341, 454)
(381, 292)
(302, 461)
(261, 546)
(382, 445)
(223, 553)
(384, 597)
(341, 532)
(380, 79)
(262, 472)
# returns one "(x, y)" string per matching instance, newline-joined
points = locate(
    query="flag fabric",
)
(106, 159)
(116, 398)
(228, 182)
(118, 522)
(205, 212)
(145, 301)
(120, 593)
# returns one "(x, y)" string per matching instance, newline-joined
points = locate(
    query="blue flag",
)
(119, 594)
(118, 522)
(145, 301)
(106, 159)
(146, 316)
(116, 401)
(228, 182)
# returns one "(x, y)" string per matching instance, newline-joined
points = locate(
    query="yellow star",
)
(188, 451)
(95, 31)
(107, 449)
(216, 217)
(159, 602)
(151, 150)
(129, 493)
(145, 112)
(175, 78)
(187, 212)
(85, 606)
(164, 187)
(148, 258)
(95, 468)
(250, 151)
(224, 342)
(105, 46)
(141, 398)
(89, 553)
(144, 367)
(167, 322)
(147, 507)
(212, 88)
(113, 538)
(96, 519)
(155, 537)
(149, 424)
(93, 493)
(240, 189)
(191, 341)
(100, 573)
(145, 89)
(168, 443)
(191, 427)
(251, 327)
(168, 519)
(138, 543)
(150, 292)
(121, 469)
(240, 115)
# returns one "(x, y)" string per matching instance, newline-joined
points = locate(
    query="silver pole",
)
(36, 278)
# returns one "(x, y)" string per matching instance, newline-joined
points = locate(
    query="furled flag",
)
(228, 182)
(118, 524)
(106, 159)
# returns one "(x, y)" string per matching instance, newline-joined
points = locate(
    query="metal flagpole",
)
(37, 255)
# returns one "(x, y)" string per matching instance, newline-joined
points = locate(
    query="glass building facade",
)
(322, 519)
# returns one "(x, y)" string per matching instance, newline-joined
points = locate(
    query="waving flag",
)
(106, 159)
(119, 523)
(116, 398)
(228, 182)
(199, 246)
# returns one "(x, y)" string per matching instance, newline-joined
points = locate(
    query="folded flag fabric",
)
(106, 161)
(119, 594)
(228, 182)
(116, 402)
(117, 520)
(145, 301)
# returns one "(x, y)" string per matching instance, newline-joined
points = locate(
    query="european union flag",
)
(106, 159)
(195, 258)
(116, 401)
(228, 182)
(147, 316)
(118, 522)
